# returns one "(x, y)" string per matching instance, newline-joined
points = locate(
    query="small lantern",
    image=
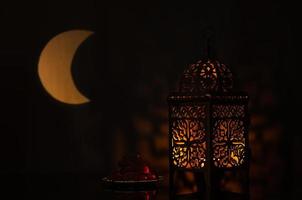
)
(208, 130)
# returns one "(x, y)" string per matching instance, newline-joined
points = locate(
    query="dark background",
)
(127, 68)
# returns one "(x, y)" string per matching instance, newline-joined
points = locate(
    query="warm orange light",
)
(228, 143)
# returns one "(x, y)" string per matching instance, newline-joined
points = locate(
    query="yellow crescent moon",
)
(54, 67)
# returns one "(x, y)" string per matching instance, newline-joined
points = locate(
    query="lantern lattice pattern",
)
(188, 133)
(206, 76)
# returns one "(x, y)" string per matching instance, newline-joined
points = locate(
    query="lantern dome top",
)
(206, 76)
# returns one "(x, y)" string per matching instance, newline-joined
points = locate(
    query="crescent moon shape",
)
(54, 67)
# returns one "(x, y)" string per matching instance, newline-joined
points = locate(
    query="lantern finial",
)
(207, 48)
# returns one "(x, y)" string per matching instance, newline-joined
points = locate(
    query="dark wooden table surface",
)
(44, 186)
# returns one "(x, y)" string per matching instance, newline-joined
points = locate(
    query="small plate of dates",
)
(133, 173)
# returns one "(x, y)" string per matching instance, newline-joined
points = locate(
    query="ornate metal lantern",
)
(208, 129)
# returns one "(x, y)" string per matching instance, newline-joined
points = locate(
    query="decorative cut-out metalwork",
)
(226, 77)
(187, 111)
(209, 74)
(223, 111)
(228, 143)
(188, 137)
(206, 76)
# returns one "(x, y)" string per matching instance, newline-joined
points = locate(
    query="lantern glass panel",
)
(188, 136)
(229, 142)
